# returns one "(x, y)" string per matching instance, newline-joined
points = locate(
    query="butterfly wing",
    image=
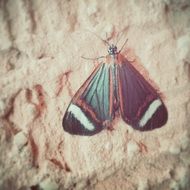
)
(140, 104)
(91, 108)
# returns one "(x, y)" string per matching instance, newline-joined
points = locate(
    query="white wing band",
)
(81, 117)
(149, 112)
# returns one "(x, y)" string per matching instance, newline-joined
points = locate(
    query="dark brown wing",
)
(140, 104)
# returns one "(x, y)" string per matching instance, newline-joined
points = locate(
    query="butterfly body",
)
(115, 86)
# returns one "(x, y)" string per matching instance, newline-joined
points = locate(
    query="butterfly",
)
(115, 86)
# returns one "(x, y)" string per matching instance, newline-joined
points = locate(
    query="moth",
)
(115, 86)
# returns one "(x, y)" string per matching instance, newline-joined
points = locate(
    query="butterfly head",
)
(112, 50)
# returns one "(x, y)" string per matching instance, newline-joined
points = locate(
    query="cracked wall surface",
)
(41, 44)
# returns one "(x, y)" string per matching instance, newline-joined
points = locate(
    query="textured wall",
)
(41, 44)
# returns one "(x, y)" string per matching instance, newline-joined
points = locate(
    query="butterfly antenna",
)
(123, 45)
(104, 41)
(89, 58)
(118, 38)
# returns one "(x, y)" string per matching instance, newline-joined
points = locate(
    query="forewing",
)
(140, 104)
(91, 108)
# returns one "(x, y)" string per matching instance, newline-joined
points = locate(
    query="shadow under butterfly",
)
(114, 86)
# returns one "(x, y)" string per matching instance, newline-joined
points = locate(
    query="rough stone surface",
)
(41, 44)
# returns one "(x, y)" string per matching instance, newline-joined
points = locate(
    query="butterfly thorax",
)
(114, 57)
(112, 50)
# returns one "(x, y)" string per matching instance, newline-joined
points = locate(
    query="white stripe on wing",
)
(149, 112)
(81, 117)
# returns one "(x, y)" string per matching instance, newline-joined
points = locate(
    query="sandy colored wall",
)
(41, 44)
